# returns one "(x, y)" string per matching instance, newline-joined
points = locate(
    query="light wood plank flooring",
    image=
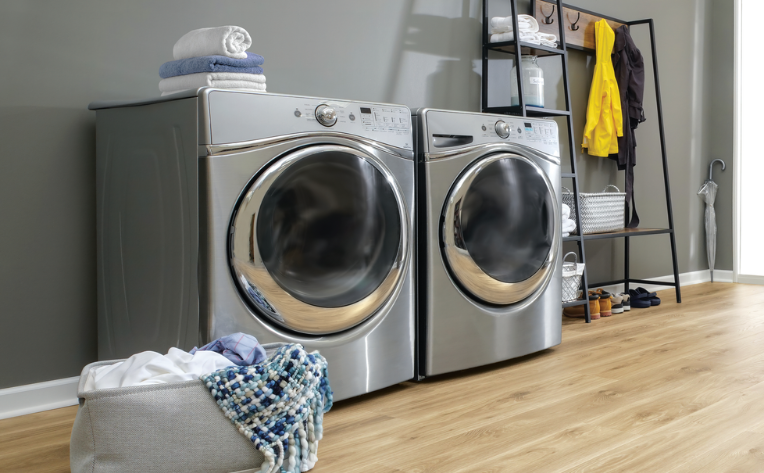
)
(679, 388)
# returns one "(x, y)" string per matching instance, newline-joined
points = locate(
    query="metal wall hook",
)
(548, 19)
(711, 168)
(574, 26)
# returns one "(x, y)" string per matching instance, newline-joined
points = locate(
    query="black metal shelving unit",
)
(512, 47)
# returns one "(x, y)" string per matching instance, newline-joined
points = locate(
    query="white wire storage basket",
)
(601, 212)
(571, 278)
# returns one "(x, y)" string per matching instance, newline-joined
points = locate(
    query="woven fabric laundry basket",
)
(157, 428)
(601, 212)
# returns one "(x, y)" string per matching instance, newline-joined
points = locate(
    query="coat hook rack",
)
(574, 26)
(548, 18)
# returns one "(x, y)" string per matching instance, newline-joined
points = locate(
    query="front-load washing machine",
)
(286, 217)
(489, 238)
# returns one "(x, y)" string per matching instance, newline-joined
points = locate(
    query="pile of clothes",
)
(568, 224)
(176, 366)
(503, 30)
(276, 399)
(213, 57)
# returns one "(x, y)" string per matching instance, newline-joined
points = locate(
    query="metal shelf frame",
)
(512, 47)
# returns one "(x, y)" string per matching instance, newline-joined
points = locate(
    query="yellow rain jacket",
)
(604, 119)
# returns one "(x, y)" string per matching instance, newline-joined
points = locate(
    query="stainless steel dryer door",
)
(319, 239)
(500, 231)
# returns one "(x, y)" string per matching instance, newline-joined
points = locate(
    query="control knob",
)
(326, 115)
(502, 129)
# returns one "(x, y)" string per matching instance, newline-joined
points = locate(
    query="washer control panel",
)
(239, 117)
(470, 129)
(526, 130)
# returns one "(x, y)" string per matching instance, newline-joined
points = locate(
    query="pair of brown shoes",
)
(600, 305)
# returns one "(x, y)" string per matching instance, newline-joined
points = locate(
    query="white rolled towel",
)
(568, 226)
(231, 41)
(504, 24)
(565, 210)
(222, 80)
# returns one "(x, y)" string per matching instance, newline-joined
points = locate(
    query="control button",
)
(297, 113)
(351, 117)
(483, 127)
(326, 115)
(519, 130)
(502, 129)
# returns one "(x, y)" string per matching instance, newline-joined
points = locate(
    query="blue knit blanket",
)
(278, 405)
(194, 65)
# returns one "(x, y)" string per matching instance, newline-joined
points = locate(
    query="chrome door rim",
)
(467, 272)
(281, 307)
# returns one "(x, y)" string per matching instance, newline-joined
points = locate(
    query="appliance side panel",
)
(147, 220)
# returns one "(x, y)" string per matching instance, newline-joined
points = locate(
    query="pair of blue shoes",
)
(641, 299)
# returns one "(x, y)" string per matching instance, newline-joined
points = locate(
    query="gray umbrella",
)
(708, 191)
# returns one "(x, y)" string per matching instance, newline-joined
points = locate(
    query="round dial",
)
(502, 129)
(326, 115)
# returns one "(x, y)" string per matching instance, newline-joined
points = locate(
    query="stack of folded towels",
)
(568, 225)
(213, 57)
(502, 30)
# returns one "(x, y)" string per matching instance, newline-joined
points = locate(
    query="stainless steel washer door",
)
(500, 232)
(319, 239)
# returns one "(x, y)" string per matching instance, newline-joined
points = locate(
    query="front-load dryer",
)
(489, 238)
(286, 217)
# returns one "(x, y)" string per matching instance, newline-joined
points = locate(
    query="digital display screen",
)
(365, 110)
(528, 125)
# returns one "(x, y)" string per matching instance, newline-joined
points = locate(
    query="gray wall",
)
(420, 53)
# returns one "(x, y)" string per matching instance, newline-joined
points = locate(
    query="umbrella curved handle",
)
(711, 168)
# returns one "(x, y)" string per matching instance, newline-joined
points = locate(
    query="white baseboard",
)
(685, 279)
(38, 397)
(749, 279)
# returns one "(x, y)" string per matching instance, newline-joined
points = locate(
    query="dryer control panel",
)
(450, 130)
(235, 117)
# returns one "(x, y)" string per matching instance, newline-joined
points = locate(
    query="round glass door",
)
(500, 236)
(319, 239)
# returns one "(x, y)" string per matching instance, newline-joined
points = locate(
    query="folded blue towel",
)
(193, 65)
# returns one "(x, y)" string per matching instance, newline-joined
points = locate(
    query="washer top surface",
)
(446, 130)
(239, 116)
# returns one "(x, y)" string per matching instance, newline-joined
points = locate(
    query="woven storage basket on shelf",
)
(601, 212)
(571, 280)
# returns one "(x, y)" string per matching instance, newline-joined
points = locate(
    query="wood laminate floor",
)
(678, 387)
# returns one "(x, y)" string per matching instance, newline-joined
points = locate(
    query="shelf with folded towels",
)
(526, 49)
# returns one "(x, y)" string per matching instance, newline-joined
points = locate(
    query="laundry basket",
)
(601, 212)
(571, 278)
(157, 428)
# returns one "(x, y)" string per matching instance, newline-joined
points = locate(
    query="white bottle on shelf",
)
(533, 83)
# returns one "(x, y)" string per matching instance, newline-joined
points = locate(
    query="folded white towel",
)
(547, 39)
(504, 24)
(565, 210)
(525, 36)
(564, 235)
(568, 226)
(231, 41)
(150, 367)
(223, 80)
